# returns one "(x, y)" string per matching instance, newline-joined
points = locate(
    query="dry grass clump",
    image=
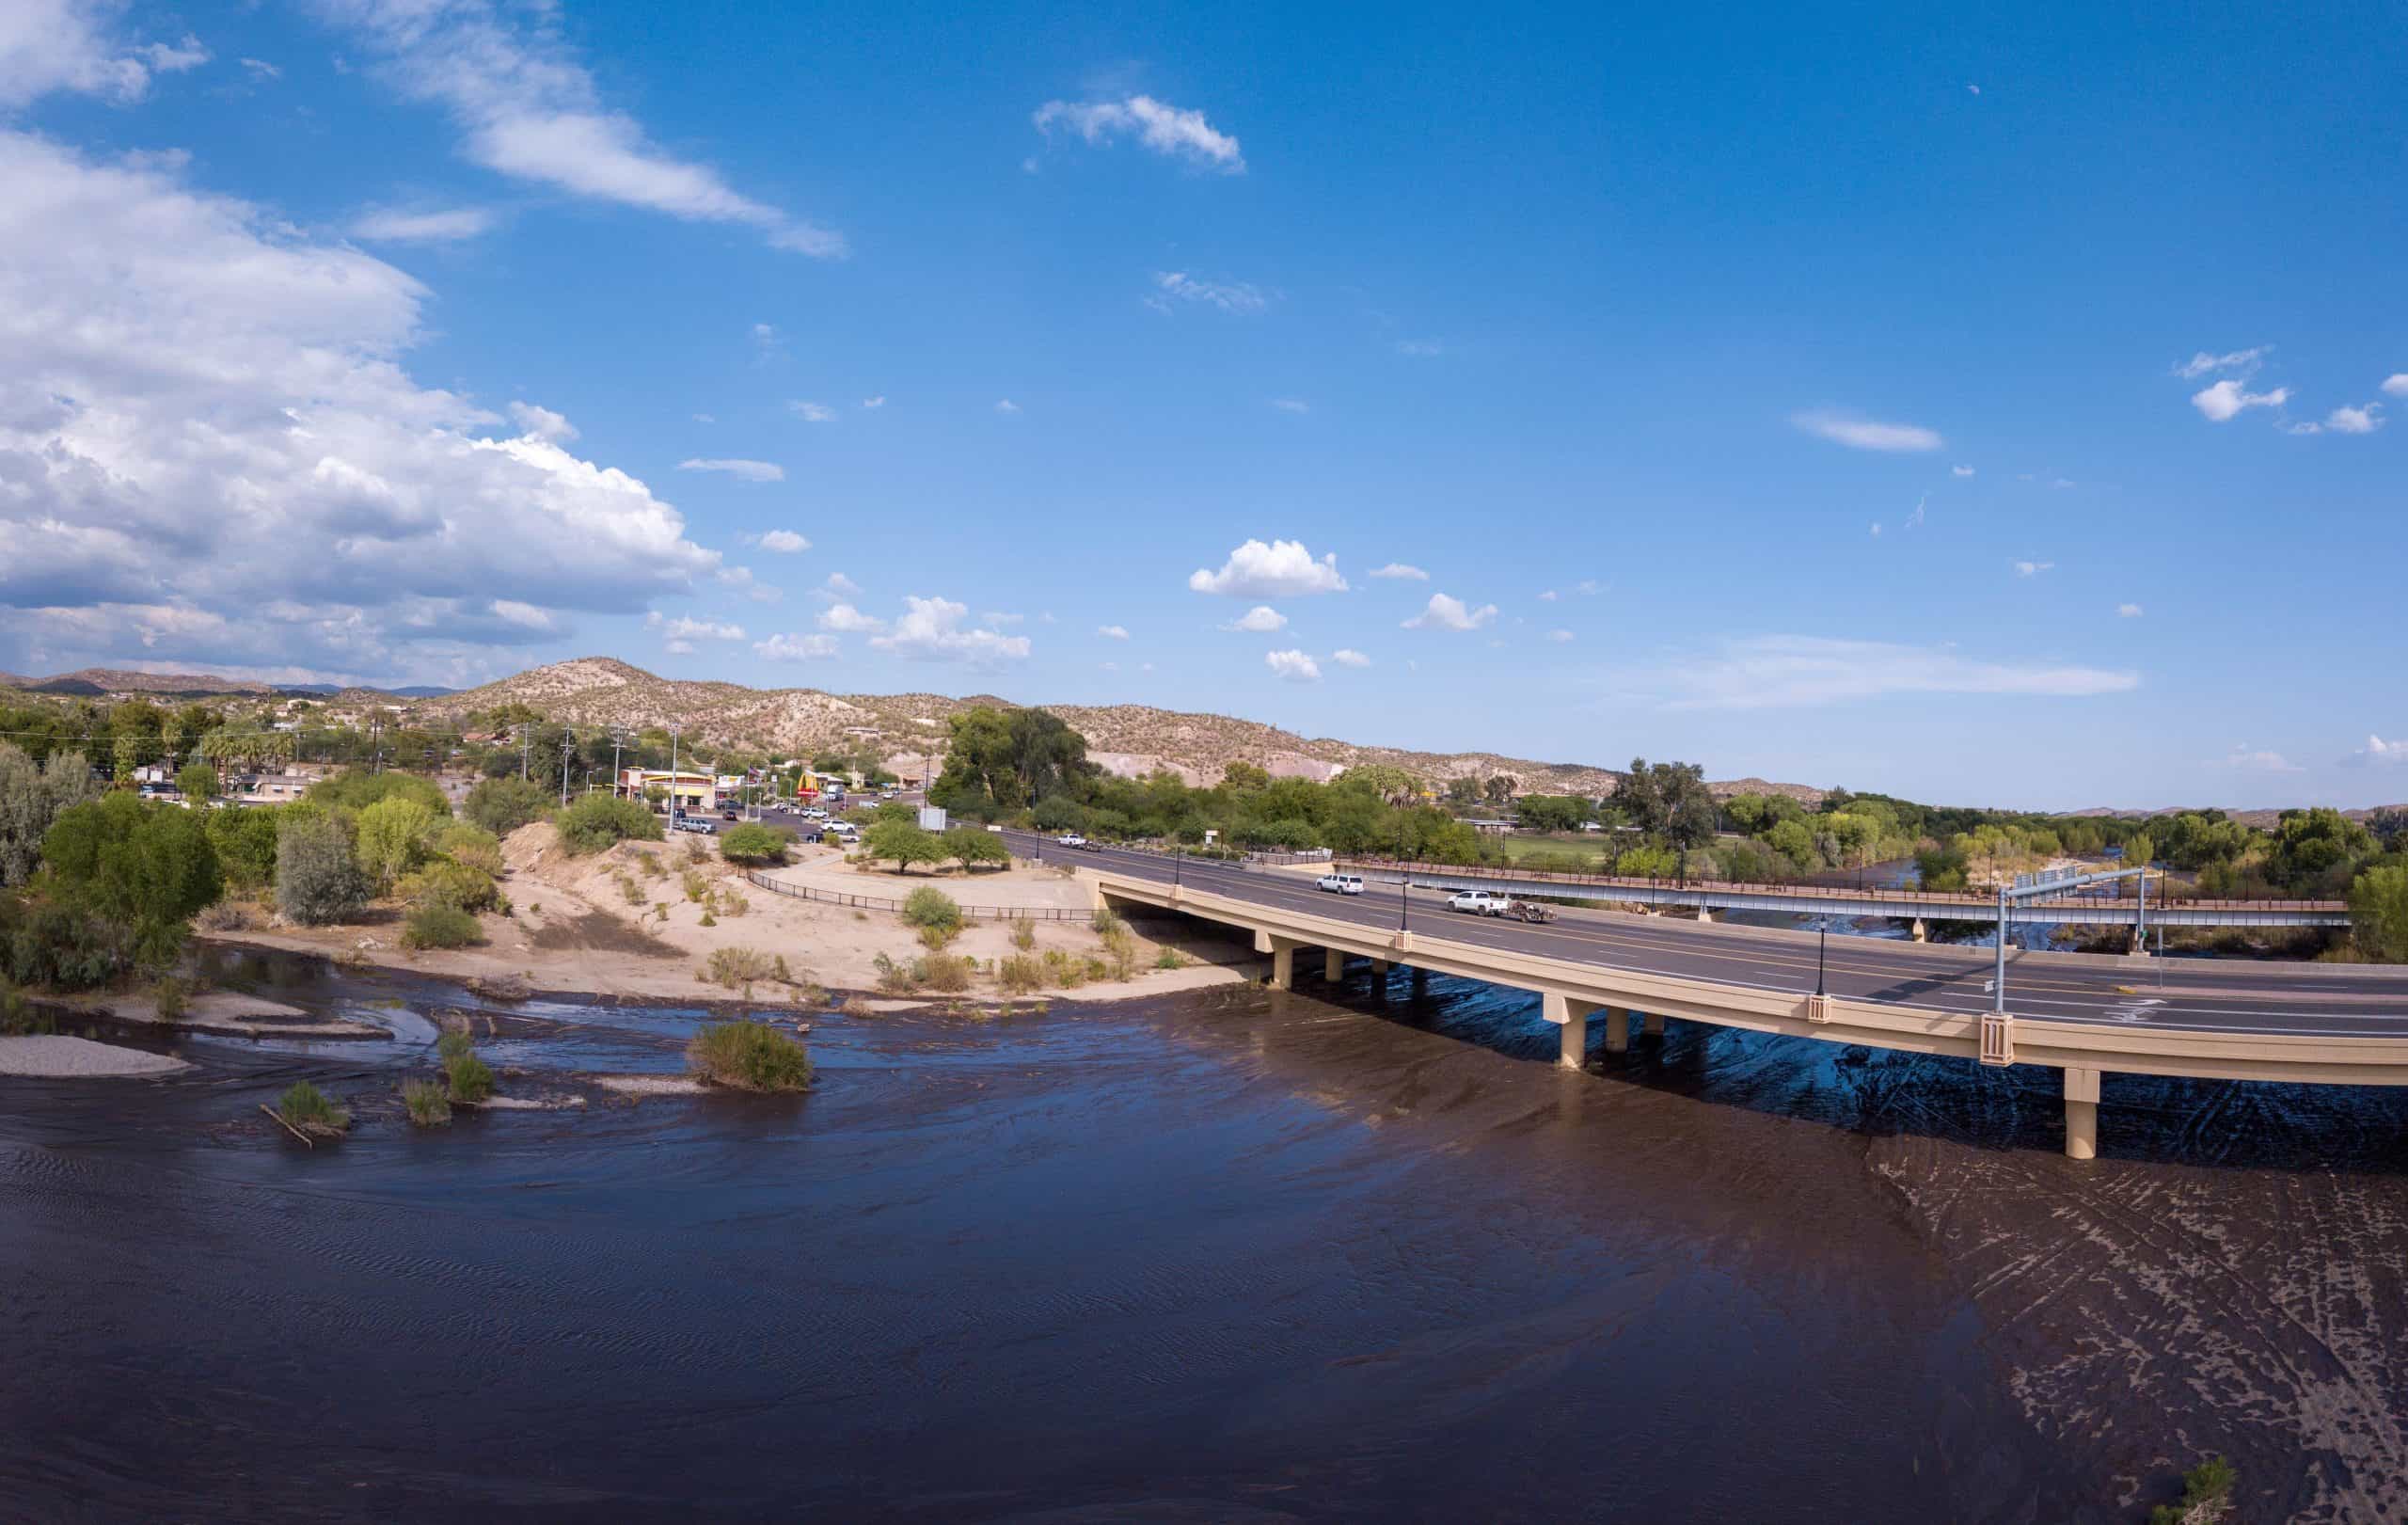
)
(748, 1055)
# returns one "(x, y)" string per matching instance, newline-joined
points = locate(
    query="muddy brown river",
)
(1224, 1257)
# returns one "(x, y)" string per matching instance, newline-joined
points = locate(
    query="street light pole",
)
(1821, 943)
(1998, 983)
(1404, 880)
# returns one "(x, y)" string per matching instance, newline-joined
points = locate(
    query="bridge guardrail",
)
(1979, 905)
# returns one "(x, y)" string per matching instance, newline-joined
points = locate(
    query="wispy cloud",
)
(1236, 297)
(1402, 571)
(1280, 569)
(1866, 434)
(847, 620)
(1419, 349)
(1349, 656)
(1960, 471)
(1259, 620)
(785, 542)
(541, 423)
(1159, 126)
(1007, 406)
(796, 648)
(743, 470)
(1292, 404)
(1113, 632)
(877, 401)
(2027, 569)
(2243, 362)
(386, 225)
(528, 109)
(684, 629)
(1445, 612)
(1776, 672)
(2376, 752)
(2258, 760)
(1558, 636)
(812, 412)
(2128, 612)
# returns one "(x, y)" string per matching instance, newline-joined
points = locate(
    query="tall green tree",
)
(30, 799)
(146, 867)
(2379, 913)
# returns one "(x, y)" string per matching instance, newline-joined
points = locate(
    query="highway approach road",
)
(2211, 994)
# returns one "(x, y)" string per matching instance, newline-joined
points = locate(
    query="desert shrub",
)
(470, 846)
(630, 891)
(1104, 920)
(393, 837)
(928, 907)
(733, 904)
(1023, 933)
(752, 844)
(943, 973)
(172, 997)
(660, 910)
(708, 920)
(1120, 950)
(778, 972)
(695, 885)
(1170, 957)
(426, 1103)
(649, 863)
(594, 823)
(501, 806)
(357, 790)
(748, 1055)
(740, 967)
(1063, 971)
(1021, 974)
(435, 925)
(47, 941)
(311, 1110)
(452, 884)
(317, 879)
(467, 1077)
(893, 978)
(226, 916)
(1096, 968)
(2206, 1496)
(455, 1041)
(935, 938)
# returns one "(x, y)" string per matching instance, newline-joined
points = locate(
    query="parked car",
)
(729, 814)
(698, 826)
(1477, 903)
(1341, 884)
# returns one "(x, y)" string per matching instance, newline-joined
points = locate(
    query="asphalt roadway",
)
(2209, 995)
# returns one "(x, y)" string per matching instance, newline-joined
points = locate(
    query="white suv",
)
(1477, 903)
(1341, 884)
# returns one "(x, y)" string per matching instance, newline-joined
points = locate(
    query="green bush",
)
(1021, 974)
(452, 884)
(748, 1055)
(630, 891)
(893, 978)
(1105, 921)
(146, 868)
(928, 907)
(935, 938)
(317, 881)
(501, 806)
(171, 998)
(1170, 957)
(943, 973)
(752, 844)
(245, 839)
(18, 1016)
(695, 885)
(435, 925)
(355, 789)
(2206, 1496)
(311, 1110)
(427, 1106)
(470, 846)
(454, 1042)
(597, 821)
(46, 942)
(1023, 933)
(971, 846)
(469, 1079)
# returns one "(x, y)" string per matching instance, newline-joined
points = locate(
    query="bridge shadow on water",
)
(1879, 1092)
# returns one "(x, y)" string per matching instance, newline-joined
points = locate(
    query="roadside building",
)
(690, 790)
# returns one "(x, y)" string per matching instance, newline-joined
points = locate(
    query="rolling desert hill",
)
(1131, 739)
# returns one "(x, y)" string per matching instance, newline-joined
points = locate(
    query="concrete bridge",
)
(1916, 906)
(2086, 1015)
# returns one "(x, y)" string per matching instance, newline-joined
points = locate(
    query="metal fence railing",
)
(878, 902)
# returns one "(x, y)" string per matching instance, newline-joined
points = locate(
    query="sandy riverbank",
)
(574, 928)
(52, 1055)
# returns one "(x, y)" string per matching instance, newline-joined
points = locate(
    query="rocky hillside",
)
(1131, 739)
(112, 680)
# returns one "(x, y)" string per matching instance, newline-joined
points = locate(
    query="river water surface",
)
(1335, 1254)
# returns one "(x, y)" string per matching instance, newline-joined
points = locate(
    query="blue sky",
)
(412, 340)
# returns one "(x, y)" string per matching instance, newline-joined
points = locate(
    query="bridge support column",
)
(1571, 1017)
(1283, 959)
(1917, 934)
(1379, 968)
(1705, 914)
(1332, 965)
(1655, 1025)
(2082, 1114)
(1617, 1030)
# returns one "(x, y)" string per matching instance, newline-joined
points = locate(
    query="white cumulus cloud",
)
(2395, 385)
(1113, 632)
(930, 630)
(2224, 402)
(1445, 612)
(1259, 620)
(48, 45)
(542, 423)
(845, 618)
(1400, 570)
(1292, 666)
(796, 648)
(1348, 656)
(1280, 569)
(2355, 420)
(2025, 569)
(684, 629)
(2379, 752)
(785, 542)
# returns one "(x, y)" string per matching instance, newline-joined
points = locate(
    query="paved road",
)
(2198, 993)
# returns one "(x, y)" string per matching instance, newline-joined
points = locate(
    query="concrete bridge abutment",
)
(2082, 1114)
(1571, 1016)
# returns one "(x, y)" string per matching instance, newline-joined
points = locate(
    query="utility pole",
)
(673, 776)
(618, 740)
(522, 751)
(568, 750)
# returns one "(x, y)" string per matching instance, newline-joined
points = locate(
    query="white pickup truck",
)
(1479, 903)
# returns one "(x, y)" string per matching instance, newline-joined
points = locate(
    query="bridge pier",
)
(1617, 1030)
(1379, 968)
(1571, 1017)
(2082, 1114)
(1332, 965)
(1918, 934)
(1283, 959)
(1655, 1025)
(1705, 914)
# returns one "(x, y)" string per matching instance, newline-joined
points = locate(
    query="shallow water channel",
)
(1343, 1253)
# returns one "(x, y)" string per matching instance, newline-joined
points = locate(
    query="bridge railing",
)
(878, 902)
(1975, 904)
